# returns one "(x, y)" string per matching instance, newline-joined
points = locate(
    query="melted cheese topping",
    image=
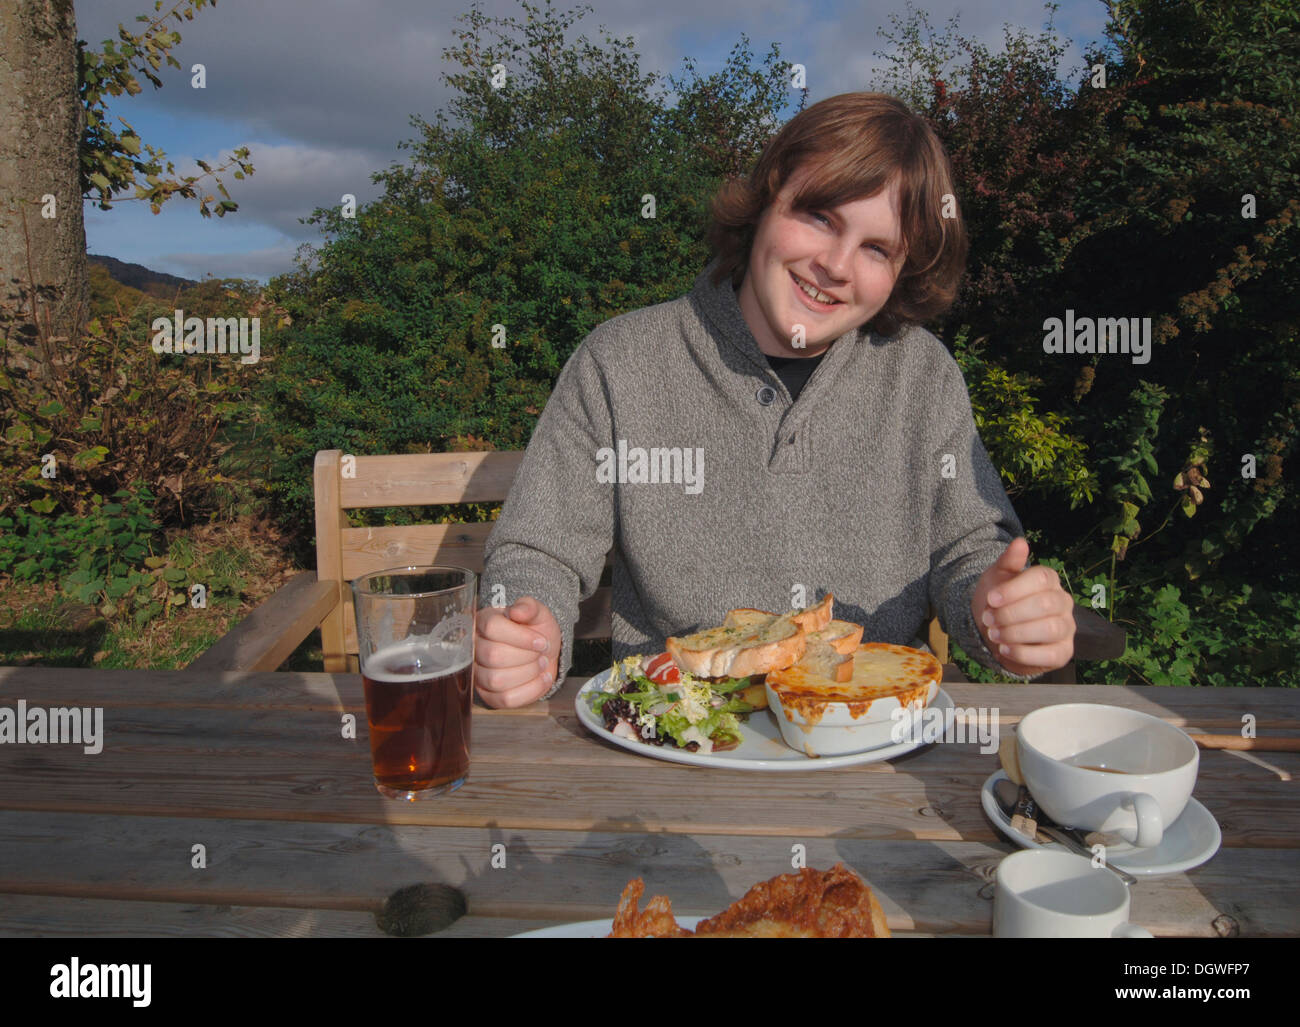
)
(880, 671)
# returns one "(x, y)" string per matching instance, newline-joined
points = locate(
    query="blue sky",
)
(321, 91)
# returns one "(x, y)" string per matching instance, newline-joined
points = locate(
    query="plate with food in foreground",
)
(809, 903)
(834, 702)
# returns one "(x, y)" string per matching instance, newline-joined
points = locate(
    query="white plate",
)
(594, 928)
(761, 747)
(1188, 842)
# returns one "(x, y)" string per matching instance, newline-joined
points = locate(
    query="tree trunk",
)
(41, 125)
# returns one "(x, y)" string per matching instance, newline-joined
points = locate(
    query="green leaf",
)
(44, 505)
(118, 587)
(90, 458)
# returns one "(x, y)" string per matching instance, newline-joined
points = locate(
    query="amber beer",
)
(415, 640)
(418, 708)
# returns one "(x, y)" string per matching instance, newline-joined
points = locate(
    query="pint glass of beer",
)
(415, 636)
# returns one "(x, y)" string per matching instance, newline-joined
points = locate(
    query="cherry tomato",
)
(662, 670)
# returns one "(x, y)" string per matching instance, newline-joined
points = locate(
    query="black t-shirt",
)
(795, 371)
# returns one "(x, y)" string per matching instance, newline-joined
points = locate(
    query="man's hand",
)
(1026, 618)
(516, 653)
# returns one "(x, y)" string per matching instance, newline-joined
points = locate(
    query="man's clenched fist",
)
(516, 651)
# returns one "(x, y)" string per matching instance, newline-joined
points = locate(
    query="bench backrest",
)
(345, 482)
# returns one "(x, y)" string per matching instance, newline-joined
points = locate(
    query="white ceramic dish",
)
(838, 730)
(1189, 841)
(761, 749)
(1107, 768)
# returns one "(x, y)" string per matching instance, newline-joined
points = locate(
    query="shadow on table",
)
(562, 877)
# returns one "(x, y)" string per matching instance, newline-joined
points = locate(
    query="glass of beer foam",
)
(415, 638)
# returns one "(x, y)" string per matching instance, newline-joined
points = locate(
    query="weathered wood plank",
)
(34, 916)
(289, 690)
(930, 794)
(570, 876)
(330, 520)
(1208, 708)
(429, 479)
(181, 733)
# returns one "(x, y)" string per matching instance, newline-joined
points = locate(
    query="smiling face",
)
(849, 255)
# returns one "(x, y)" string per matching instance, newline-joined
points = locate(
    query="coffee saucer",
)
(1188, 842)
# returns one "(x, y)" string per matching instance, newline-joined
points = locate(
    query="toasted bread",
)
(813, 618)
(738, 652)
(749, 642)
(841, 635)
(824, 660)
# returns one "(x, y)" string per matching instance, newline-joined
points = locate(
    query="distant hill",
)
(137, 276)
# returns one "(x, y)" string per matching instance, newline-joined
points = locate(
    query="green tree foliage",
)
(111, 161)
(1158, 181)
(107, 296)
(523, 205)
(1166, 190)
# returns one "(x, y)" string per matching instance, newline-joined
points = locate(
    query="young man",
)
(786, 428)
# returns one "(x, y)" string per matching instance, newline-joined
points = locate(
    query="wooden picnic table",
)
(255, 769)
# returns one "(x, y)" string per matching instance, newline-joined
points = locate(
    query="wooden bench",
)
(323, 598)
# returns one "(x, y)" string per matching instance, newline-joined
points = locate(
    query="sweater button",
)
(766, 395)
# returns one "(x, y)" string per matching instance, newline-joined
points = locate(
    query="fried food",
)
(656, 922)
(809, 903)
(835, 903)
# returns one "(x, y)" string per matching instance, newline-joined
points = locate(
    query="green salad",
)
(691, 713)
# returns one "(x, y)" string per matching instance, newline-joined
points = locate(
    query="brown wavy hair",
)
(854, 145)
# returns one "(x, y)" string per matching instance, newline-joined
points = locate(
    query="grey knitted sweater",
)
(669, 439)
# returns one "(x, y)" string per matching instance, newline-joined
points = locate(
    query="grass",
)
(242, 560)
(241, 563)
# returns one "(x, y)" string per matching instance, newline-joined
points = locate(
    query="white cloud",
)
(260, 264)
(291, 180)
(336, 81)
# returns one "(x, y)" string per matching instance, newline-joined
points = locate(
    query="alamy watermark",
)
(102, 980)
(191, 335)
(636, 465)
(1099, 335)
(61, 725)
(954, 724)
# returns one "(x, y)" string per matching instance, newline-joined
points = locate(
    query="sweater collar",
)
(720, 307)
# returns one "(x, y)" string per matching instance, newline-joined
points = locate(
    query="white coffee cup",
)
(1106, 768)
(1044, 893)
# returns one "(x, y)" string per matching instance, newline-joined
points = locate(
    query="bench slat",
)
(428, 479)
(266, 637)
